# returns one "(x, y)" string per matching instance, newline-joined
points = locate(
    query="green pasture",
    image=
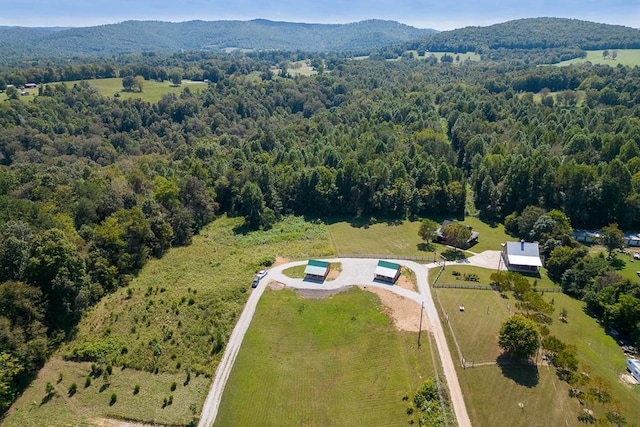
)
(476, 328)
(174, 317)
(493, 395)
(336, 361)
(400, 238)
(152, 90)
(495, 389)
(629, 57)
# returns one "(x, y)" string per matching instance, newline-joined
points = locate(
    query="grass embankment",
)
(174, 317)
(336, 361)
(152, 90)
(630, 57)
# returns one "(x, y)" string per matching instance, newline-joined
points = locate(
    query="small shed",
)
(316, 270)
(633, 365)
(387, 271)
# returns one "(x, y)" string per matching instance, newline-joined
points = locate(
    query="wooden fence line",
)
(488, 288)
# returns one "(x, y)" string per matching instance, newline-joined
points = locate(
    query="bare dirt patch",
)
(407, 282)
(628, 379)
(404, 312)
(275, 286)
(333, 274)
(280, 260)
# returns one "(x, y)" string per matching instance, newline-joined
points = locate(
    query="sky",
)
(440, 15)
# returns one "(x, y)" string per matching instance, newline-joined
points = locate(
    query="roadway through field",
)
(354, 271)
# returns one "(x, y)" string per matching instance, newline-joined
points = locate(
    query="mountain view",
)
(337, 220)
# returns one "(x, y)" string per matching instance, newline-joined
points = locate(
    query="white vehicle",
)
(261, 274)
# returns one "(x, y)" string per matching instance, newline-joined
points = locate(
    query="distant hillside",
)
(533, 33)
(136, 36)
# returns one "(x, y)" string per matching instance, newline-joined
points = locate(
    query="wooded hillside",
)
(156, 36)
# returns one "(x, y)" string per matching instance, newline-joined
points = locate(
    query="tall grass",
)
(174, 319)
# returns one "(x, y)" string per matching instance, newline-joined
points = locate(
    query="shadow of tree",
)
(522, 372)
(47, 398)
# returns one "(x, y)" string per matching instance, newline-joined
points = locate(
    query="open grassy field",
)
(336, 361)
(174, 317)
(152, 90)
(630, 57)
(400, 238)
(494, 391)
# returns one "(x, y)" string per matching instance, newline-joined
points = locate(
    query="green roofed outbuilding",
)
(316, 270)
(387, 271)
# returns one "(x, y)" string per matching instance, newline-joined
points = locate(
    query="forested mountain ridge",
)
(533, 33)
(157, 36)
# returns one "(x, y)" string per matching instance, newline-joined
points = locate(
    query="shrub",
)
(109, 369)
(173, 386)
(72, 389)
(87, 382)
(114, 399)
(136, 389)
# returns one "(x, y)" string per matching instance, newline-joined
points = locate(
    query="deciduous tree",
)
(519, 337)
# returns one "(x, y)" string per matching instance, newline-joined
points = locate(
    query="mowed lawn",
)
(400, 238)
(336, 361)
(629, 57)
(449, 277)
(152, 90)
(493, 392)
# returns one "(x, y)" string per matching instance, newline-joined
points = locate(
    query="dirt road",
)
(355, 271)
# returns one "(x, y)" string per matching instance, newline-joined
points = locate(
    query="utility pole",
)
(420, 327)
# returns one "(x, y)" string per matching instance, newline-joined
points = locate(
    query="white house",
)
(521, 256)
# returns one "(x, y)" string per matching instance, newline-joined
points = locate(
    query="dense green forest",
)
(92, 186)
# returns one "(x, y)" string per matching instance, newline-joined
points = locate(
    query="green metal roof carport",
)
(317, 269)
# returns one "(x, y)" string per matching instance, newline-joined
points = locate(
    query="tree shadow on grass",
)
(523, 373)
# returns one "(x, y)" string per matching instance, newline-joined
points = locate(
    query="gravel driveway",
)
(355, 271)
